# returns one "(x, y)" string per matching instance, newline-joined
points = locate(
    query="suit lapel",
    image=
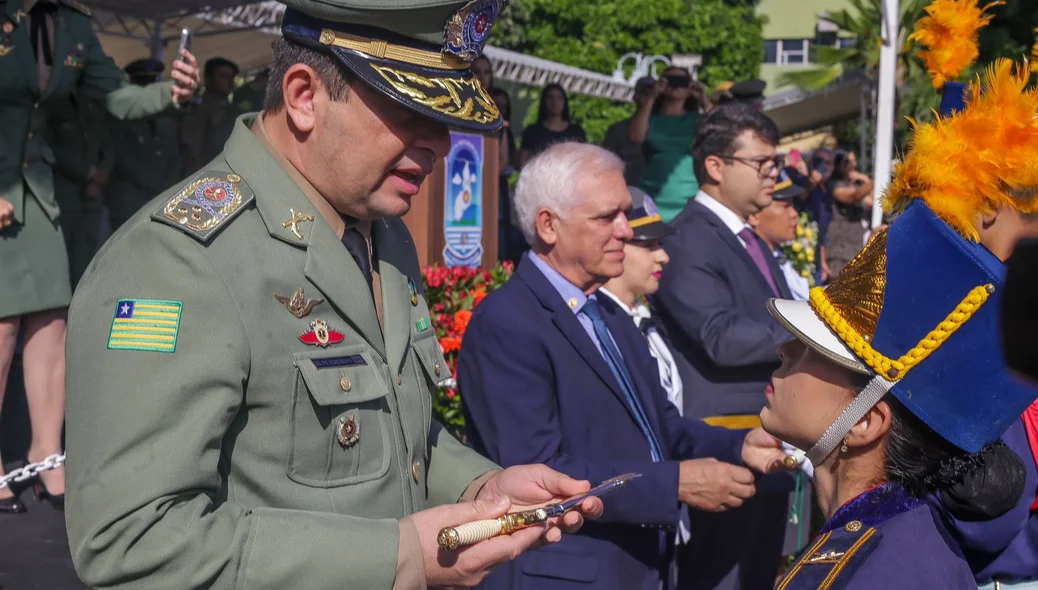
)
(566, 321)
(733, 242)
(24, 53)
(328, 265)
(333, 271)
(390, 251)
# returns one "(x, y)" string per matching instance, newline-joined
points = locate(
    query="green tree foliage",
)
(594, 34)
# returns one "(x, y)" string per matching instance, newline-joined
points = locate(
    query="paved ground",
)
(33, 547)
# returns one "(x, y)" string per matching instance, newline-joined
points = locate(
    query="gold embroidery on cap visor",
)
(380, 49)
(460, 98)
(851, 305)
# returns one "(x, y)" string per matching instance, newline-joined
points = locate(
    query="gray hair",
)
(549, 181)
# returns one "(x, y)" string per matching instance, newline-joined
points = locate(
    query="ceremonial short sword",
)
(451, 538)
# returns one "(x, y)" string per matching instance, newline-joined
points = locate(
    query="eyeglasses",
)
(763, 166)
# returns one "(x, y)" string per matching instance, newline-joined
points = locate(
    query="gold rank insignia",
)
(294, 221)
(298, 305)
(207, 203)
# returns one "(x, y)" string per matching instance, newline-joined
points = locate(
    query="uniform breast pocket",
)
(340, 422)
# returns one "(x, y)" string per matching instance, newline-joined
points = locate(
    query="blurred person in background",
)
(35, 287)
(147, 150)
(553, 125)
(665, 127)
(777, 225)
(84, 153)
(851, 194)
(483, 71)
(713, 302)
(618, 136)
(510, 240)
(249, 98)
(208, 125)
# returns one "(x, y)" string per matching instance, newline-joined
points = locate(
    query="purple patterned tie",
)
(755, 252)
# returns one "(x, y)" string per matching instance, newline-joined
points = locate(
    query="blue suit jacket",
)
(713, 301)
(537, 390)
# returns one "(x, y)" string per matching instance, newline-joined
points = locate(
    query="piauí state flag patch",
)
(145, 324)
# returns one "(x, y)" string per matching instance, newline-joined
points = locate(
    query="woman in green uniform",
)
(48, 49)
(665, 128)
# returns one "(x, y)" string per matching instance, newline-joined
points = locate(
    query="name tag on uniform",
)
(338, 361)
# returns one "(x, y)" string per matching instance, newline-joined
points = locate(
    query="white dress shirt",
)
(798, 285)
(729, 218)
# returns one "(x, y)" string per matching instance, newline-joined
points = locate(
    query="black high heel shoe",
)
(12, 505)
(57, 501)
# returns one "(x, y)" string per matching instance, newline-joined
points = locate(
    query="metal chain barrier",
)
(32, 469)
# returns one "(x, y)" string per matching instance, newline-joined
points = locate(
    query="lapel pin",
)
(298, 305)
(348, 432)
(8, 27)
(294, 221)
(413, 291)
(321, 335)
(572, 302)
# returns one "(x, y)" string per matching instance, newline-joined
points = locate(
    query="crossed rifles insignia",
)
(298, 305)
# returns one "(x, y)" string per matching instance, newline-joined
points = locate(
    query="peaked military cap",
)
(418, 52)
(145, 67)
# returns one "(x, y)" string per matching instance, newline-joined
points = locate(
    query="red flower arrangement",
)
(452, 294)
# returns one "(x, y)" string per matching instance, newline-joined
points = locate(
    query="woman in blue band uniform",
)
(896, 381)
(48, 49)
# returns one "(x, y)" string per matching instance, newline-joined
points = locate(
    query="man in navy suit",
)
(712, 300)
(552, 374)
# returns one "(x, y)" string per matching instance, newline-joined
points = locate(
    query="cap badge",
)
(650, 207)
(468, 30)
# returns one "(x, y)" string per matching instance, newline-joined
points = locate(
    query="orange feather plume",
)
(1034, 55)
(949, 33)
(978, 161)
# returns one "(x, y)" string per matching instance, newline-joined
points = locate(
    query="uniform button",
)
(345, 384)
(30, 135)
(25, 164)
(853, 526)
(36, 106)
(416, 470)
(400, 379)
(437, 368)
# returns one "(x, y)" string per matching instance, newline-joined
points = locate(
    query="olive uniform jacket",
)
(79, 62)
(220, 437)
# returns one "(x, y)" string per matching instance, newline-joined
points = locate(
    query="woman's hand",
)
(187, 76)
(6, 213)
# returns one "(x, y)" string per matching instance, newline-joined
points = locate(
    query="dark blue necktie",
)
(616, 364)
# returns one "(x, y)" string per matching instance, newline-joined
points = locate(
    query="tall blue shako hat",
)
(918, 309)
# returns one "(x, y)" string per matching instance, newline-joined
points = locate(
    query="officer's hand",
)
(533, 486)
(6, 213)
(467, 566)
(712, 485)
(187, 76)
(763, 452)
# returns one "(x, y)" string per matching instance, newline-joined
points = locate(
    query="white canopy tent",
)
(132, 29)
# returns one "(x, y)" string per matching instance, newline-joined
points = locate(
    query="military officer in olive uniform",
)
(47, 51)
(83, 157)
(147, 152)
(252, 353)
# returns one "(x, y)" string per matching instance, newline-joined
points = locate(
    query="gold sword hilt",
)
(451, 538)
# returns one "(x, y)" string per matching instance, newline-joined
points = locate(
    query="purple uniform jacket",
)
(883, 539)
(1005, 548)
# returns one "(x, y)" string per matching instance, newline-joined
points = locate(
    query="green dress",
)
(34, 275)
(669, 178)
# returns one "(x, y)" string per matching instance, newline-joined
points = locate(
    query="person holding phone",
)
(48, 51)
(665, 127)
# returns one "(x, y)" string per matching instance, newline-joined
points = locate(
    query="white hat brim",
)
(804, 323)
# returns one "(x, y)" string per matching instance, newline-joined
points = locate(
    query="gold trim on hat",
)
(645, 221)
(444, 95)
(381, 49)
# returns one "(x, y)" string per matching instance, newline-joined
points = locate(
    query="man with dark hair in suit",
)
(551, 372)
(712, 301)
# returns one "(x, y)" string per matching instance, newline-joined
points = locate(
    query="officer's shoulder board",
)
(833, 559)
(205, 204)
(77, 6)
